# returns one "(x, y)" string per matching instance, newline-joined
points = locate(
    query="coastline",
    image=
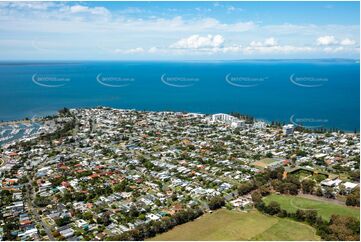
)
(54, 112)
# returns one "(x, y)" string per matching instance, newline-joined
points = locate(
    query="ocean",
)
(309, 93)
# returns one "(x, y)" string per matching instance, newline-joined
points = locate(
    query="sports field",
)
(323, 208)
(263, 163)
(233, 225)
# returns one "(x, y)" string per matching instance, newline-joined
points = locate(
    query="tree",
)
(342, 190)
(273, 208)
(245, 188)
(293, 179)
(277, 173)
(329, 192)
(353, 199)
(300, 215)
(319, 191)
(120, 187)
(269, 155)
(311, 216)
(87, 215)
(64, 111)
(343, 228)
(256, 197)
(104, 219)
(133, 212)
(216, 202)
(292, 188)
(264, 190)
(41, 201)
(308, 185)
(355, 175)
(62, 221)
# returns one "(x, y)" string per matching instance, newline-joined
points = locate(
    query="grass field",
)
(232, 225)
(263, 162)
(325, 209)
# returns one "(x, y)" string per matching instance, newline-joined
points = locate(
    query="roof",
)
(350, 185)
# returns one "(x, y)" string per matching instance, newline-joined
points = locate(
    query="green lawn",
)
(232, 225)
(325, 209)
(287, 229)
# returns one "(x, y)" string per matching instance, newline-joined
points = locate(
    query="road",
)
(34, 211)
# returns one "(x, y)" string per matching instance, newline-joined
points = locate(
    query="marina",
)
(17, 131)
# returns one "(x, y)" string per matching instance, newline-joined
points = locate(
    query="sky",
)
(178, 30)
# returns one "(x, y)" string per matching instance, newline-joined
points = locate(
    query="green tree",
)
(308, 185)
(353, 199)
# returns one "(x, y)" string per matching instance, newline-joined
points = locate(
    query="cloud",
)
(85, 9)
(137, 50)
(199, 42)
(30, 5)
(333, 49)
(232, 8)
(347, 42)
(216, 44)
(278, 49)
(266, 43)
(153, 50)
(333, 45)
(327, 40)
(80, 27)
(270, 45)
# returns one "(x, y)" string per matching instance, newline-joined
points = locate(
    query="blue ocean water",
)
(312, 93)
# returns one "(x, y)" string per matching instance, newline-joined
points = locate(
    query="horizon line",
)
(175, 60)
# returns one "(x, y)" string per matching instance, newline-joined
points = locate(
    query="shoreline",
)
(55, 112)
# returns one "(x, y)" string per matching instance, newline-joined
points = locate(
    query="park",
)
(323, 208)
(226, 224)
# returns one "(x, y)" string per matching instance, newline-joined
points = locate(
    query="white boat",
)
(28, 131)
(5, 138)
(15, 131)
(4, 131)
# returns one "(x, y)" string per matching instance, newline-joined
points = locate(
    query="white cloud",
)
(84, 25)
(214, 44)
(199, 42)
(232, 8)
(333, 49)
(79, 9)
(30, 5)
(333, 45)
(207, 44)
(277, 49)
(153, 50)
(266, 43)
(327, 40)
(270, 45)
(85, 9)
(270, 42)
(137, 50)
(347, 42)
